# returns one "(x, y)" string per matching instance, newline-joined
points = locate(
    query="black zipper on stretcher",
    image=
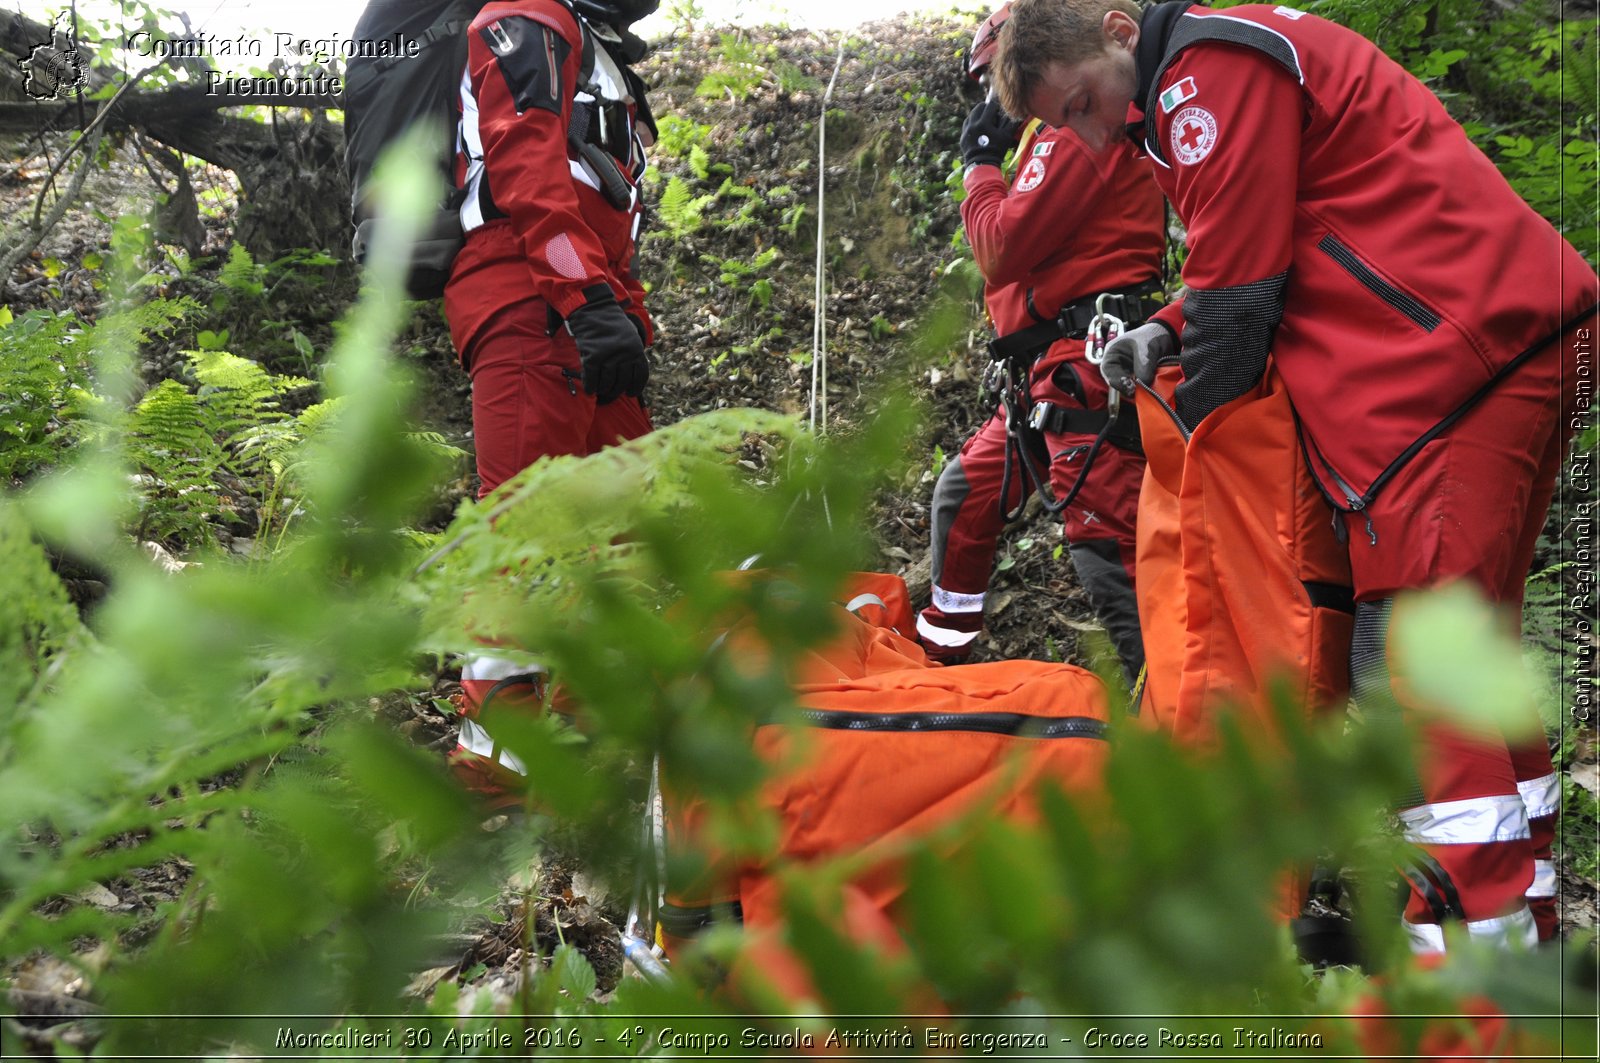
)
(688, 920)
(1014, 724)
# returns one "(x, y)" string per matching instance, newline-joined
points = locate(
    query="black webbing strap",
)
(1132, 305)
(534, 681)
(1057, 419)
(1434, 885)
(1035, 481)
(1426, 890)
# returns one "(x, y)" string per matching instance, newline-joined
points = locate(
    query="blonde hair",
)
(1042, 32)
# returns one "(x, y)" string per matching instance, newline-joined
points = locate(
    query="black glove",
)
(610, 346)
(987, 134)
(1136, 354)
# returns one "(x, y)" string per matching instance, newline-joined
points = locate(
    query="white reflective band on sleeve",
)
(474, 739)
(583, 174)
(1544, 880)
(954, 602)
(861, 601)
(1473, 821)
(472, 146)
(1542, 796)
(1519, 926)
(494, 669)
(940, 637)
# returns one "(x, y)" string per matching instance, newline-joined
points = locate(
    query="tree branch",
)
(32, 234)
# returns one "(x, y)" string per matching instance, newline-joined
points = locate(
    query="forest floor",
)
(749, 104)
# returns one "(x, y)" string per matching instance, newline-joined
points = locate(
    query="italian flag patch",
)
(1183, 90)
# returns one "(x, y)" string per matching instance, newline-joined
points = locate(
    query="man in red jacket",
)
(545, 307)
(1427, 324)
(1073, 224)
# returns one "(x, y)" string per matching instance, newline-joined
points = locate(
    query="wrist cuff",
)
(596, 294)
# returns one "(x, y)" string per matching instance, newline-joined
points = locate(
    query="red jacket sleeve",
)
(1013, 229)
(1234, 150)
(527, 161)
(1231, 138)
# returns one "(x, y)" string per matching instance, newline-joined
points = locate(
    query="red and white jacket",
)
(1339, 218)
(1072, 224)
(537, 214)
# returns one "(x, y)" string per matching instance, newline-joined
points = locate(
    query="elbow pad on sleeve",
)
(1227, 334)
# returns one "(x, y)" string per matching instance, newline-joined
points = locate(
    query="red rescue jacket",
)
(1338, 216)
(1070, 225)
(539, 223)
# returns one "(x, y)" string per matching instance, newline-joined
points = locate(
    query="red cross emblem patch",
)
(1032, 174)
(1194, 134)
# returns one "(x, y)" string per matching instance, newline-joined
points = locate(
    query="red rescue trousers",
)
(1470, 507)
(527, 403)
(966, 517)
(528, 400)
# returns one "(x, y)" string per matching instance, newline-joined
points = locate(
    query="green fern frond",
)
(240, 273)
(37, 620)
(240, 401)
(219, 369)
(169, 420)
(436, 444)
(679, 211)
(318, 416)
(44, 374)
(170, 439)
(135, 325)
(579, 511)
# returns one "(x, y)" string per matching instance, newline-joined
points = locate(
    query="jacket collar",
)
(1155, 29)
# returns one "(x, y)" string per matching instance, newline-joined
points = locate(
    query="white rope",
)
(819, 326)
(638, 934)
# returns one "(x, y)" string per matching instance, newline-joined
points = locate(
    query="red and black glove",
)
(610, 346)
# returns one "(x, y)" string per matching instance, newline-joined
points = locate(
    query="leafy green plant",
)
(681, 212)
(184, 442)
(744, 66)
(792, 218)
(220, 716)
(738, 274)
(241, 275)
(677, 136)
(44, 375)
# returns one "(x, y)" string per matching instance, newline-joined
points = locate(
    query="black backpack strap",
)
(1192, 29)
(447, 28)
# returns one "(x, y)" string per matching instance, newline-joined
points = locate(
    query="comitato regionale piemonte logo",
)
(54, 69)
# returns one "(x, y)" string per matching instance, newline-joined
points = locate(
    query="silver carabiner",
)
(1103, 328)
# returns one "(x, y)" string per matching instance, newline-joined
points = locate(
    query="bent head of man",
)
(1070, 63)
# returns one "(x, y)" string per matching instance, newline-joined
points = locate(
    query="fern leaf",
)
(37, 621)
(570, 510)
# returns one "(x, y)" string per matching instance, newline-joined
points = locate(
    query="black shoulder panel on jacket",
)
(530, 57)
(1192, 29)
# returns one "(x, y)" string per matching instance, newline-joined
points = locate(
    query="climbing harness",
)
(1099, 322)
